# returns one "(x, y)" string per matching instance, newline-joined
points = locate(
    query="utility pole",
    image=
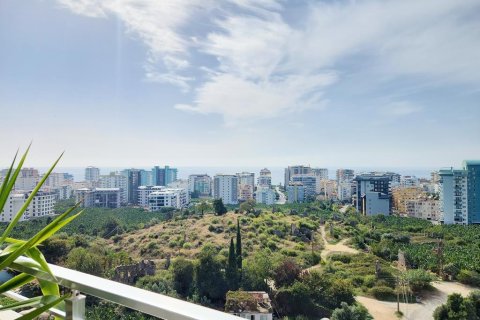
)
(398, 294)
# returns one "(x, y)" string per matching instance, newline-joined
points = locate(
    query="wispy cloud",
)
(401, 108)
(265, 67)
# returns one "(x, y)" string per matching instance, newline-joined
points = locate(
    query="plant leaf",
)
(16, 282)
(48, 302)
(32, 302)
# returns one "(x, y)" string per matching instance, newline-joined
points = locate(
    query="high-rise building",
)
(296, 170)
(163, 176)
(133, 182)
(345, 175)
(295, 192)
(265, 195)
(115, 180)
(201, 184)
(265, 178)
(92, 174)
(373, 193)
(246, 185)
(460, 194)
(146, 178)
(309, 182)
(225, 187)
(320, 173)
(27, 179)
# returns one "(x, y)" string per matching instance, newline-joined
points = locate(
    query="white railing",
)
(147, 302)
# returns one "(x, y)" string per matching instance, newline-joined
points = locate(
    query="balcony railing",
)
(147, 302)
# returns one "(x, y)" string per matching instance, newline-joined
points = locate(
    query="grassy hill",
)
(185, 237)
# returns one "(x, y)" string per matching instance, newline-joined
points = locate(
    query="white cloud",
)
(265, 67)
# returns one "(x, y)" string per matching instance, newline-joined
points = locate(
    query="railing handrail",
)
(148, 302)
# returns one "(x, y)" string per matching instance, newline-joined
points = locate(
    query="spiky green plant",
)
(14, 248)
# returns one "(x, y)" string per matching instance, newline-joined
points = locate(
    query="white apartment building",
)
(42, 205)
(344, 191)
(144, 192)
(63, 192)
(409, 181)
(27, 179)
(265, 195)
(453, 195)
(225, 187)
(115, 180)
(168, 197)
(427, 209)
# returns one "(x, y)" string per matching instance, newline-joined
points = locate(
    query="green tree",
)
(238, 251)
(257, 270)
(183, 270)
(219, 207)
(459, 308)
(83, 260)
(203, 206)
(210, 279)
(354, 312)
(231, 272)
(247, 206)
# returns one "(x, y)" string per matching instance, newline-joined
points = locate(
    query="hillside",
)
(185, 237)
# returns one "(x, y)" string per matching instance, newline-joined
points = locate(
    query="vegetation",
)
(459, 308)
(14, 248)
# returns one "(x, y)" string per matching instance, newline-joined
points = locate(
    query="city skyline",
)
(242, 83)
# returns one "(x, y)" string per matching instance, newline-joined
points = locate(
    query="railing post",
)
(75, 306)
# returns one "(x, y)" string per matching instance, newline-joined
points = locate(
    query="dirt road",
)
(340, 247)
(383, 310)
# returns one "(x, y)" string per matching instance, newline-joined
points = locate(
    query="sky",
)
(241, 82)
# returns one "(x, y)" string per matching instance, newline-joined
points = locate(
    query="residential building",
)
(309, 182)
(321, 173)
(163, 176)
(144, 192)
(168, 197)
(92, 174)
(246, 185)
(265, 178)
(225, 187)
(63, 192)
(58, 179)
(423, 208)
(345, 175)
(146, 178)
(265, 195)
(42, 205)
(180, 184)
(373, 193)
(460, 194)
(409, 181)
(116, 180)
(296, 170)
(344, 191)
(27, 179)
(99, 197)
(133, 182)
(252, 305)
(402, 196)
(200, 184)
(295, 192)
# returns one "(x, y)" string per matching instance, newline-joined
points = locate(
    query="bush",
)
(383, 293)
(469, 277)
(345, 258)
(419, 279)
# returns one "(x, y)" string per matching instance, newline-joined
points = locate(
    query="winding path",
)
(339, 247)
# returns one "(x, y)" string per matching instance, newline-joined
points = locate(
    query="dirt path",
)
(383, 310)
(340, 247)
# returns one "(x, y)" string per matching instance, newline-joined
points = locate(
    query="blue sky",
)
(241, 82)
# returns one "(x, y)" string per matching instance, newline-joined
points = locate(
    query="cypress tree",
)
(231, 271)
(239, 247)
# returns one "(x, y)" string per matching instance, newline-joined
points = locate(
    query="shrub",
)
(383, 293)
(187, 245)
(469, 277)
(345, 258)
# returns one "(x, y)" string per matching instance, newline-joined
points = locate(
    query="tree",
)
(209, 276)
(183, 270)
(238, 252)
(219, 207)
(111, 227)
(248, 205)
(83, 260)
(286, 273)
(354, 312)
(458, 307)
(203, 206)
(231, 272)
(257, 270)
